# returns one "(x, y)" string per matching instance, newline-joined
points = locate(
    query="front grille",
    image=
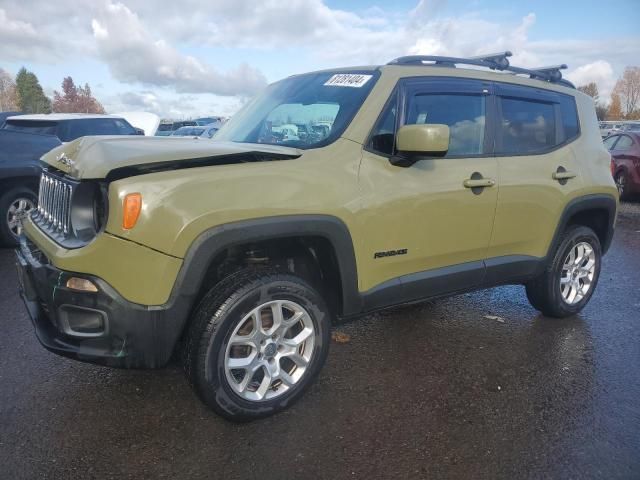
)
(54, 205)
(53, 215)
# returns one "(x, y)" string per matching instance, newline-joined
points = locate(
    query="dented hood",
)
(118, 157)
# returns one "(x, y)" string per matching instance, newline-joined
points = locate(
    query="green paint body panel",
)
(424, 208)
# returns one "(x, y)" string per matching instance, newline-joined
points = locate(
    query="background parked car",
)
(167, 128)
(207, 131)
(23, 140)
(608, 128)
(625, 161)
(5, 115)
(209, 120)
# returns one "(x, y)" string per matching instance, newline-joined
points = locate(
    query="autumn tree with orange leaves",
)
(75, 99)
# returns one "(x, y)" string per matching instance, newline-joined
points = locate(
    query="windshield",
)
(188, 132)
(305, 111)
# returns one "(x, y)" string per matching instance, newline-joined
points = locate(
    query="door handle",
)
(563, 175)
(478, 182)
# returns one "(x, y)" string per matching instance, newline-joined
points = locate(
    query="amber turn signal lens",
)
(131, 210)
(81, 284)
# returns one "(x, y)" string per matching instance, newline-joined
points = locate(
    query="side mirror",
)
(416, 141)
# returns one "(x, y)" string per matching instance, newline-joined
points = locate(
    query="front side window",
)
(610, 141)
(527, 126)
(124, 128)
(464, 114)
(383, 137)
(91, 126)
(304, 111)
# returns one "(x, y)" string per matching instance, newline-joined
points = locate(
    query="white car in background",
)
(145, 121)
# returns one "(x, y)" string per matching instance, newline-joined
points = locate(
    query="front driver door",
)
(425, 232)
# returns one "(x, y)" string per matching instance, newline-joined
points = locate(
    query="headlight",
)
(88, 211)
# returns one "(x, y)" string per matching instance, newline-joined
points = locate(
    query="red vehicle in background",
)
(625, 161)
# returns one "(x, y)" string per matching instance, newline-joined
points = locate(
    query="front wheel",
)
(15, 206)
(257, 341)
(567, 284)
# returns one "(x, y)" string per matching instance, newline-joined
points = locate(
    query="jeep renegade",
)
(393, 184)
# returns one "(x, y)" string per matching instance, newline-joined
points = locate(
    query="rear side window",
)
(527, 126)
(624, 143)
(535, 122)
(30, 126)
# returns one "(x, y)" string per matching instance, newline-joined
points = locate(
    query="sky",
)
(192, 58)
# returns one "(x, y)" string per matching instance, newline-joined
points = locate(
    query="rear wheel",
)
(257, 341)
(570, 279)
(15, 206)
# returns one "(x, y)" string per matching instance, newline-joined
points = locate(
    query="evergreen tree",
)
(31, 97)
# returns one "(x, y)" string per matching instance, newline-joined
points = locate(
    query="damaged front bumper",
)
(97, 327)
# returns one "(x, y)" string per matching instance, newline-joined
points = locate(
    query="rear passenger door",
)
(538, 174)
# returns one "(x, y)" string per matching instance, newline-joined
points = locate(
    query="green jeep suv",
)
(393, 184)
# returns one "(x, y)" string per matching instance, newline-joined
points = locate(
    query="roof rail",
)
(493, 61)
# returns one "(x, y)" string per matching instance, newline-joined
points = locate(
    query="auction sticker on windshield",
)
(355, 80)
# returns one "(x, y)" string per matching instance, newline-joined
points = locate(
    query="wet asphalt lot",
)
(429, 391)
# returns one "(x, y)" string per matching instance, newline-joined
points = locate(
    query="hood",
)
(118, 157)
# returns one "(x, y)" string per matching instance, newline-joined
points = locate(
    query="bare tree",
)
(628, 88)
(590, 89)
(8, 93)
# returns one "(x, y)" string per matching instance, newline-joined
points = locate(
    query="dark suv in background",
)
(23, 140)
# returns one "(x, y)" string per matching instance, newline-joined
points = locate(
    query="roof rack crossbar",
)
(494, 61)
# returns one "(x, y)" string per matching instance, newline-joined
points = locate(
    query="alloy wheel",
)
(578, 272)
(621, 183)
(19, 209)
(269, 351)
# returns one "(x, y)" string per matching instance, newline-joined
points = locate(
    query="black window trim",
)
(493, 111)
(405, 87)
(538, 95)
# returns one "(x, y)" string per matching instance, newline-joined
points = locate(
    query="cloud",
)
(185, 47)
(20, 39)
(133, 55)
(170, 105)
(599, 72)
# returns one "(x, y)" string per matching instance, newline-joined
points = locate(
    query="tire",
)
(228, 314)
(547, 294)
(622, 184)
(17, 201)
